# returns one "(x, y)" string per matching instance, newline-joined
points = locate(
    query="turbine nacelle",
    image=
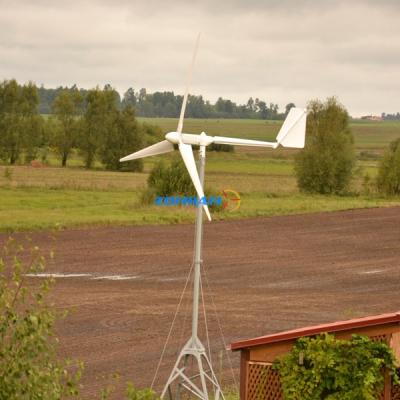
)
(187, 138)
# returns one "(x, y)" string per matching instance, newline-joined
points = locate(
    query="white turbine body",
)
(291, 134)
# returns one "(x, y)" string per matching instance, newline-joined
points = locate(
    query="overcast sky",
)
(280, 51)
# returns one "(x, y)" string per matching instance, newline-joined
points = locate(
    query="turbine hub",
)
(172, 137)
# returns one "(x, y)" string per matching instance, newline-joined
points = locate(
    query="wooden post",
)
(244, 358)
(387, 390)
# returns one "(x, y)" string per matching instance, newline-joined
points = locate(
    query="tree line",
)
(394, 116)
(168, 104)
(93, 122)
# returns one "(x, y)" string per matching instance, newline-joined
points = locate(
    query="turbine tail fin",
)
(293, 131)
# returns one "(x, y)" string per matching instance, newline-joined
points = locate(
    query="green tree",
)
(388, 180)
(29, 368)
(124, 138)
(151, 133)
(34, 137)
(325, 165)
(20, 124)
(288, 107)
(66, 109)
(99, 121)
(32, 123)
(129, 98)
(11, 133)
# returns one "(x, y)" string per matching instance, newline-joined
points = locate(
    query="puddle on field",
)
(169, 279)
(86, 276)
(116, 277)
(373, 271)
(58, 275)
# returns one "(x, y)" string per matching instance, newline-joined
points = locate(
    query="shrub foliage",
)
(168, 179)
(328, 368)
(29, 368)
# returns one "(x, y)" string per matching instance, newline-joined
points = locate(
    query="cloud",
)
(280, 51)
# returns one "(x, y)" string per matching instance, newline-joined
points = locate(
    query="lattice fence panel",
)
(379, 338)
(395, 392)
(385, 339)
(263, 382)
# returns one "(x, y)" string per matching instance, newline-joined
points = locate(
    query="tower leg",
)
(199, 382)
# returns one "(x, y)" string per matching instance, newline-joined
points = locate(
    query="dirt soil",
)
(265, 274)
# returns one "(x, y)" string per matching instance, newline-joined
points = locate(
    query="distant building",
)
(372, 117)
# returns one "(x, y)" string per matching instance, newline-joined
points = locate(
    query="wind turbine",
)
(291, 134)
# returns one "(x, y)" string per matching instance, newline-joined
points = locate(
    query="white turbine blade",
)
(188, 158)
(188, 82)
(158, 148)
(293, 130)
(242, 142)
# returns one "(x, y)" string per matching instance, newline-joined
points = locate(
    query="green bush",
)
(169, 179)
(388, 180)
(29, 368)
(324, 367)
(325, 165)
(221, 147)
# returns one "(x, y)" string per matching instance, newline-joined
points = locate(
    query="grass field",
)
(42, 208)
(369, 135)
(53, 197)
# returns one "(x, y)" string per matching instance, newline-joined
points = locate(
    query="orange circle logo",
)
(231, 200)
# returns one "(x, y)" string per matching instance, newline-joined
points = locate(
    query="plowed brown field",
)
(266, 275)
